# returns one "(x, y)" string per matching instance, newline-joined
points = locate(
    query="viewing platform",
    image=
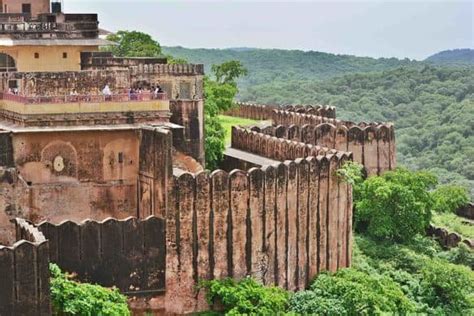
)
(71, 110)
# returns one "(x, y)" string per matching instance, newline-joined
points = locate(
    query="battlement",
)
(292, 117)
(296, 127)
(281, 224)
(264, 144)
(265, 112)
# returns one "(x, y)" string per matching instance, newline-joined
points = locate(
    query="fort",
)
(101, 183)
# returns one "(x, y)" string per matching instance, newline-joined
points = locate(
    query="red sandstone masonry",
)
(265, 111)
(268, 222)
(24, 286)
(255, 142)
(373, 145)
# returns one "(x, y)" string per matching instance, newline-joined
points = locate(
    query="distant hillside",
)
(432, 108)
(455, 56)
(267, 65)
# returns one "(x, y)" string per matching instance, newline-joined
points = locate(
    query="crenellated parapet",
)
(291, 117)
(372, 144)
(319, 110)
(252, 111)
(128, 254)
(281, 224)
(265, 111)
(265, 143)
(24, 270)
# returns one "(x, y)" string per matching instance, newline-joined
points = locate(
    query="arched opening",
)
(7, 63)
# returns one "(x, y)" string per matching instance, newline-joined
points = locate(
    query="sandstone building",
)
(71, 151)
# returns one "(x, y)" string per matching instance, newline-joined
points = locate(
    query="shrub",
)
(363, 293)
(433, 284)
(309, 303)
(246, 296)
(448, 286)
(461, 254)
(395, 206)
(73, 298)
(448, 198)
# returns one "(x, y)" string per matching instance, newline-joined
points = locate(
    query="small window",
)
(26, 8)
(37, 55)
(120, 157)
(64, 55)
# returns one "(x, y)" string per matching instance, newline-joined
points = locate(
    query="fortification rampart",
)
(270, 146)
(319, 110)
(128, 254)
(281, 224)
(265, 111)
(372, 144)
(24, 270)
(289, 117)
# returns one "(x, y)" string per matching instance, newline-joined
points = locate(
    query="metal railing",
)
(124, 97)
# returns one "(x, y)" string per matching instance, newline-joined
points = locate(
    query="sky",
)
(402, 29)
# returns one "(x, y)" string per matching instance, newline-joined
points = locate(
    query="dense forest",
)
(432, 106)
(433, 109)
(267, 65)
(454, 56)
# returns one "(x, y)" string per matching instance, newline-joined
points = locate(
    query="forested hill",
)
(455, 56)
(432, 108)
(266, 65)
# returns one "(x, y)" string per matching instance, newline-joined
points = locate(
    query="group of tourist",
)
(134, 94)
(13, 91)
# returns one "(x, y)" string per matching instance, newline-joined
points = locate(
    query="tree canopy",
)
(133, 44)
(229, 72)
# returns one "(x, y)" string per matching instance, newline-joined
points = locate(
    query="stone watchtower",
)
(73, 119)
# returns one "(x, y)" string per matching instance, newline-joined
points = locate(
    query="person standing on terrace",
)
(107, 93)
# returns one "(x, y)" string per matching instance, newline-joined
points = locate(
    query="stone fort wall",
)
(265, 111)
(282, 224)
(372, 144)
(277, 148)
(24, 269)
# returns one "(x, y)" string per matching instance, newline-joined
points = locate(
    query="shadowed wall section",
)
(154, 171)
(6, 149)
(24, 271)
(282, 224)
(128, 254)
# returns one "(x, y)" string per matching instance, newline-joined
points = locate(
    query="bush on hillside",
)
(246, 296)
(69, 297)
(434, 285)
(448, 198)
(395, 206)
(352, 292)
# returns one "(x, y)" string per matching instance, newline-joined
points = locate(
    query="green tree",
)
(395, 206)
(229, 71)
(448, 198)
(219, 97)
(133, 44)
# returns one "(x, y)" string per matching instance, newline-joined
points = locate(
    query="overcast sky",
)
(413, 29)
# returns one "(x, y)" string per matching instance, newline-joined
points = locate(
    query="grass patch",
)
(453, 223)
(229, 121)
